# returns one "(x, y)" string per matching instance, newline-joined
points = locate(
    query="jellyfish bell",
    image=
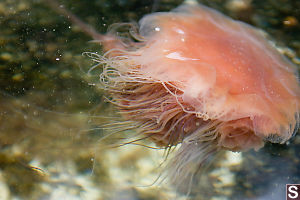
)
(200, 79)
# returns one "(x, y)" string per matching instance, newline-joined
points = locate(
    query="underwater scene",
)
(149, 100)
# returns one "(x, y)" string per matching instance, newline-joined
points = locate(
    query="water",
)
(51, 143)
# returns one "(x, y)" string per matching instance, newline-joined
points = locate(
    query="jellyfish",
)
(196, 78)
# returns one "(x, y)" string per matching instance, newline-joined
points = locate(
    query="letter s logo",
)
(293, 194)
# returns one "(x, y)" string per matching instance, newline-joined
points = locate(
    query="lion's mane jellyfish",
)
(197, 78)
